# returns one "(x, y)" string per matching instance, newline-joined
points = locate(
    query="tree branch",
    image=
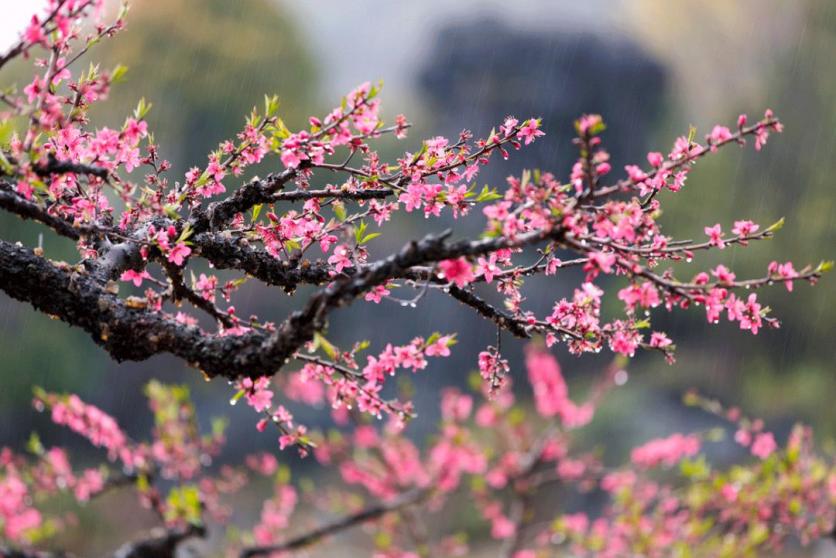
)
(406, 499)
(160, 545)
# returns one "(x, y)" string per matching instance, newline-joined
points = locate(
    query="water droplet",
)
(233, 401)
(412, 305)
(620, 377)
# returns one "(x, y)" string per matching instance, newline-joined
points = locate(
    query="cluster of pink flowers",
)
(551, 395)
(488, 449)
(665, 451)
(16, 514)
(91, 422)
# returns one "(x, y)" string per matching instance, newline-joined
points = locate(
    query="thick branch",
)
(129, 331)
(126, 329)
(160, 545)
(13, 203)
(252, 193)
(226, 252)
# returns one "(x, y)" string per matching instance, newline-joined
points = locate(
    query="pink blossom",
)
(179, 253)
(655, 159)
(715, 235)
(530, 130)
(502, 527)
(719, 134)
(599, 261)
(206, 285)
(136, 277)
(34, 32)
(258, 396)
(458, 271)
(744, 228)
(751, 316)
(340, 258)
(665, 451)
(88, 484)
(455, 405)
(440, 347)
(376, 294)
(575, 523)
(723, 275)
(660, 340)
(551, 395)
(764, 445)
(783, 271)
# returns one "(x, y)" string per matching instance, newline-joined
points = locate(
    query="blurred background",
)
(650, 67)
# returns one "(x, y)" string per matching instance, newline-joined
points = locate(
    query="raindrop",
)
(620, 377)
(233, 401)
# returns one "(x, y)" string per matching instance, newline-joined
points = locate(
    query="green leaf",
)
(34, 445)
(695, 469)
(219, 425)
(142, 109)
(776, 226)
(118, 73)
(487, 195)
(183, 503)
(5, 165)
(271, 105)
(170, 212)
(283, 475)
(326, 346)
(596, 128)
(339, 210)
(692, 133)
(187, 232)
(359, 231)
(256, 211)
